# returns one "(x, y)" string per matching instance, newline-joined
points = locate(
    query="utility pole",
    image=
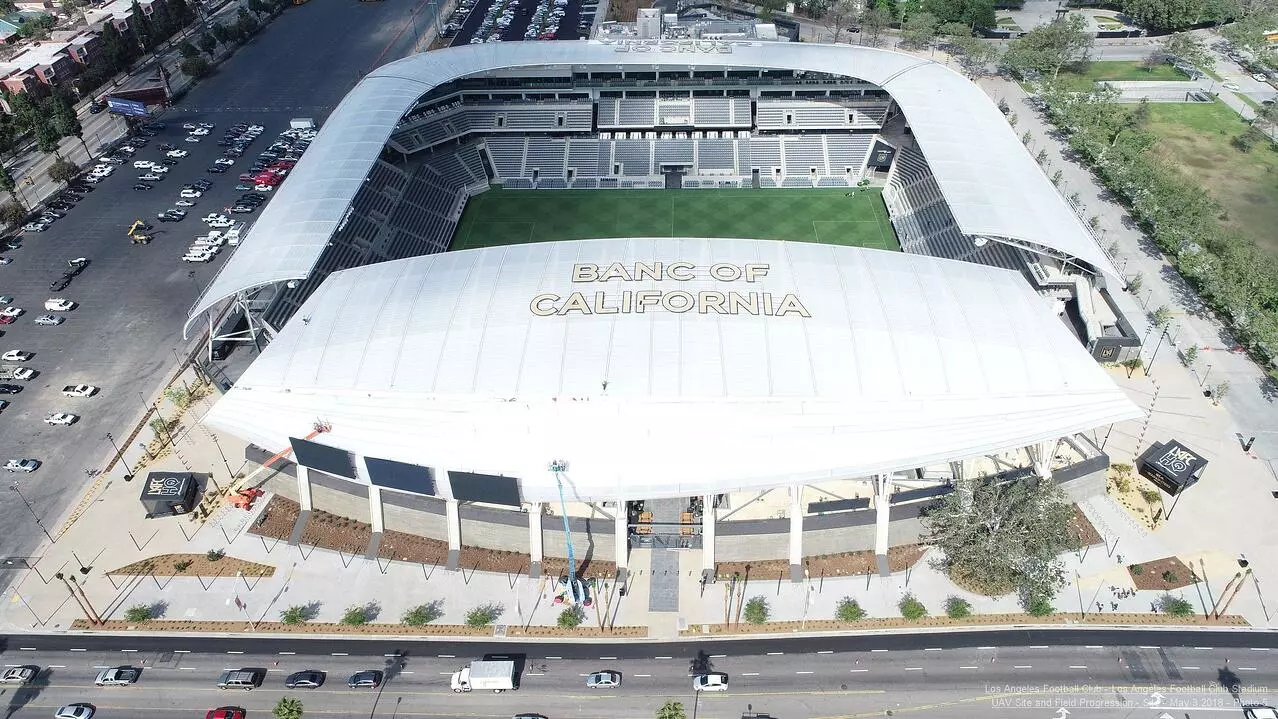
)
(559, 466)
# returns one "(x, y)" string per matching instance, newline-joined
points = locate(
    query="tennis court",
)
(830, 216)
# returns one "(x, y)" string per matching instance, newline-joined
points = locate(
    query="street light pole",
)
(119, 457)
(14, 488)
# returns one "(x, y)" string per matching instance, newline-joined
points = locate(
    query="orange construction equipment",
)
(244, 498)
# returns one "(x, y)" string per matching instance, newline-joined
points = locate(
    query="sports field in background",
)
(830, 216)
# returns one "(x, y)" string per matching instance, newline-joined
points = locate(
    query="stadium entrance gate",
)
(674, 176)
(754, 178)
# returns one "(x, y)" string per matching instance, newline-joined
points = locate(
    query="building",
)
(459, 394)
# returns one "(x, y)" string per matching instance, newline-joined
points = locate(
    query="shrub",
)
(671, 710)
(1136, 570)
(1123, 483)
(355, 616)
(1189, 355)
(1135, 282)
(422, 614)
(849, 610)
(571, 617)
(296, 614)
(179, 396)
(287, 708)
(214, 555)
(1170, 577)
(957, 608)
(1039, 606)
(138, 613)
(483, 615)
(1149, 494)
(1175, 606)
(911, 608)
(182, 565)
(757, 610)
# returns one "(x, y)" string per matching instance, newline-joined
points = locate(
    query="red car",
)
(225, 713)
(7, 319)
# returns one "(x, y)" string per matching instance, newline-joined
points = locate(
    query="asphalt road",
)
(977, 682)
(133, 298)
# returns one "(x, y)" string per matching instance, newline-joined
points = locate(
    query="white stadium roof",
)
(992, 185)
(855, 361)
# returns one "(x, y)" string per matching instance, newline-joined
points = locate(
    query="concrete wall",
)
(851, 538)
(591, 538)
(414, 514)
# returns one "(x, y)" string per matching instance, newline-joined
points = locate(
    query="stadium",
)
(757, 299)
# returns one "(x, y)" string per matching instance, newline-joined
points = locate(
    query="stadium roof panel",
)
(795, 362)
(989, 180)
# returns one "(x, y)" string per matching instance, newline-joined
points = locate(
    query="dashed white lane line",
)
(57, 666)
(1189, 667)
(554, 657)
(453, 656)
(805, 672)
(718, 656)
(534, 674)
(749, 674)
(858, 671)
(1246, 669)
(607, 659)
(932, 649)
(1145, 646)
(875, 651)
(987, 647)
(665, 657)
(969, 667)
(1039, 646)
(1078, 666)
(449, 674)
(232, 651)
(1023, 666)
(340, 654)
(1207, 649)
(913, 669)
(775, 654)
(128, 650)
(287, 653)
(409, 672)
(826, 651)
(189, 669)
(188, 651)
(32, 649)
(75, 650)
(1260, 649)
(1093, 646)
(640, 675)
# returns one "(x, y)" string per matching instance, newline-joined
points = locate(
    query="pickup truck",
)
(118, 676)
(79, 390)
(13, 371)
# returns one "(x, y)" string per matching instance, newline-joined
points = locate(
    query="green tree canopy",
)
(63, 170)
(841, 15)
(920, 29)
(671, 710)
(873, 22)
(1188, 48)
(1048, 48)
(1164, 14)
(1003, 537)
(287, 708)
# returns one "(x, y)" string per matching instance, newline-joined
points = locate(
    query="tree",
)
(957, 608)
(67, 123)
(970, 13)
(1006, 537)
(63, 170)
(1219, 391)
(1048, 48)
(571, 617)
(206, 43)
(220, 33)
(768, 8)
(849, 610)
(46, 137)
(1250, 32)
(1189, 49)
(671, 710)
(920, 30)
(1189, 355)
(10, 186)
(1135, 282)
(1162, 315)
(188, 50)
(1164, 14)
(12, 212)
(1132, 365)
(195, 67)
(757, 610)
(259, 7)
(1175, 606)
(974, 53)
(952, 30)
(287, 708)
(841, 15)
(355, 616)
(873, 22)
(483, 615)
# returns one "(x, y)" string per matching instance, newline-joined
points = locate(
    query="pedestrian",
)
(1100, 607)
(1115, 605)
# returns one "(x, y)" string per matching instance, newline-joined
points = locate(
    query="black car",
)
(252, 199)
(60, 284)
(10, 388)
(167, 146)
(370, 678)
(61, 206)
(310, 679)
(141, 186)
(165, 217)
(216, 169)
(96, 107)
(223, 143)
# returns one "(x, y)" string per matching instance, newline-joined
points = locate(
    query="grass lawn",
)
(1196, 137)
(1131, 70)
(505, 217)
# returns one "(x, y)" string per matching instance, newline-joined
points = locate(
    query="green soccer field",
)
(830, 216)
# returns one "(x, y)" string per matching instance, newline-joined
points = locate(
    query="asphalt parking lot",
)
(132, 299)
(524, 14)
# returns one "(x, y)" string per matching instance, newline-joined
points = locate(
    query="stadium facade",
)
(660, 369)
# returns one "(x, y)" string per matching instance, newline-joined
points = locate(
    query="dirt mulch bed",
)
(844, 564)
(1083, 530)
(1163, 574)
(430, 630)
(330, 531)
(1106, 618)
(165, 565)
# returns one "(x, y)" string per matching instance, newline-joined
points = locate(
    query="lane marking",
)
(1204, 648)
(718, 656)
(454, 656)
(1189, 667)
(230, 651)
(407, 672)
(187, 651)
(1093, 646)
(1260, 649)
(987, 647)
(32, 649)
(914, 669)
(128, 650)
(1038, 646)
(665, 657)
(1148, 647)
(534, 674)
(1246, 669)
(287, 653)
(57, 666)
(554, 657)
(189, 669)
(640, 675)
(969, 667)
(858, 671)
(1077, 666)
(826, 651)
(805, 672)
(775, 654)
(75, 650)
(877, 650)
(336, 654)
(749, 674)
(449, 674)
(932, 649)
(607, 659)
(1022, 666)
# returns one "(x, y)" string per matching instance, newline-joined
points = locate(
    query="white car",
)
(160, 169)
(11, 312)
(1230, 86)
(16, 356)
(79, 390)
(117, 676)
(75, 711)
(35, 227)
(184, 203)
(143, 165)
(57, 304)
(22, 465)
(710, 682)
(213, 217)
(192, 138)
(150, 177)
(255, 129)
(18, 675)
(226, 161)
(198, 257)
(192, 194)
(49, 320)
(199, 132)
(175, 154)
(190, 126)
(264, 188)
(206, 125)
(1259, 77)
(222, 223)
(23, 373)
(102, 170)
(61, 419)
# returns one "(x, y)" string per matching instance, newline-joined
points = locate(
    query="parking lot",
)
(131, 299)
(510, 20)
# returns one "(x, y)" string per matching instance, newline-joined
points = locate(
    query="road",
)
(1092, 682)
(133, 299)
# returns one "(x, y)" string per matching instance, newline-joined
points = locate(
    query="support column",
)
(796, 534)
(454, 533)
(303, 501)
(534, 539)
(377, 519)
(621, 538)
(707, 538)
(883, 511)
(304, 488)
(1041, 454)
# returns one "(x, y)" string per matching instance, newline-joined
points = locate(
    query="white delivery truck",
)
(302, 123)
(494, 676)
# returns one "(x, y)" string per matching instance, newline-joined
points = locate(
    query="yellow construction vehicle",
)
(136, 233)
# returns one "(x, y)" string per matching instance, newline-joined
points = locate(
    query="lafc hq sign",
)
(729, 302)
